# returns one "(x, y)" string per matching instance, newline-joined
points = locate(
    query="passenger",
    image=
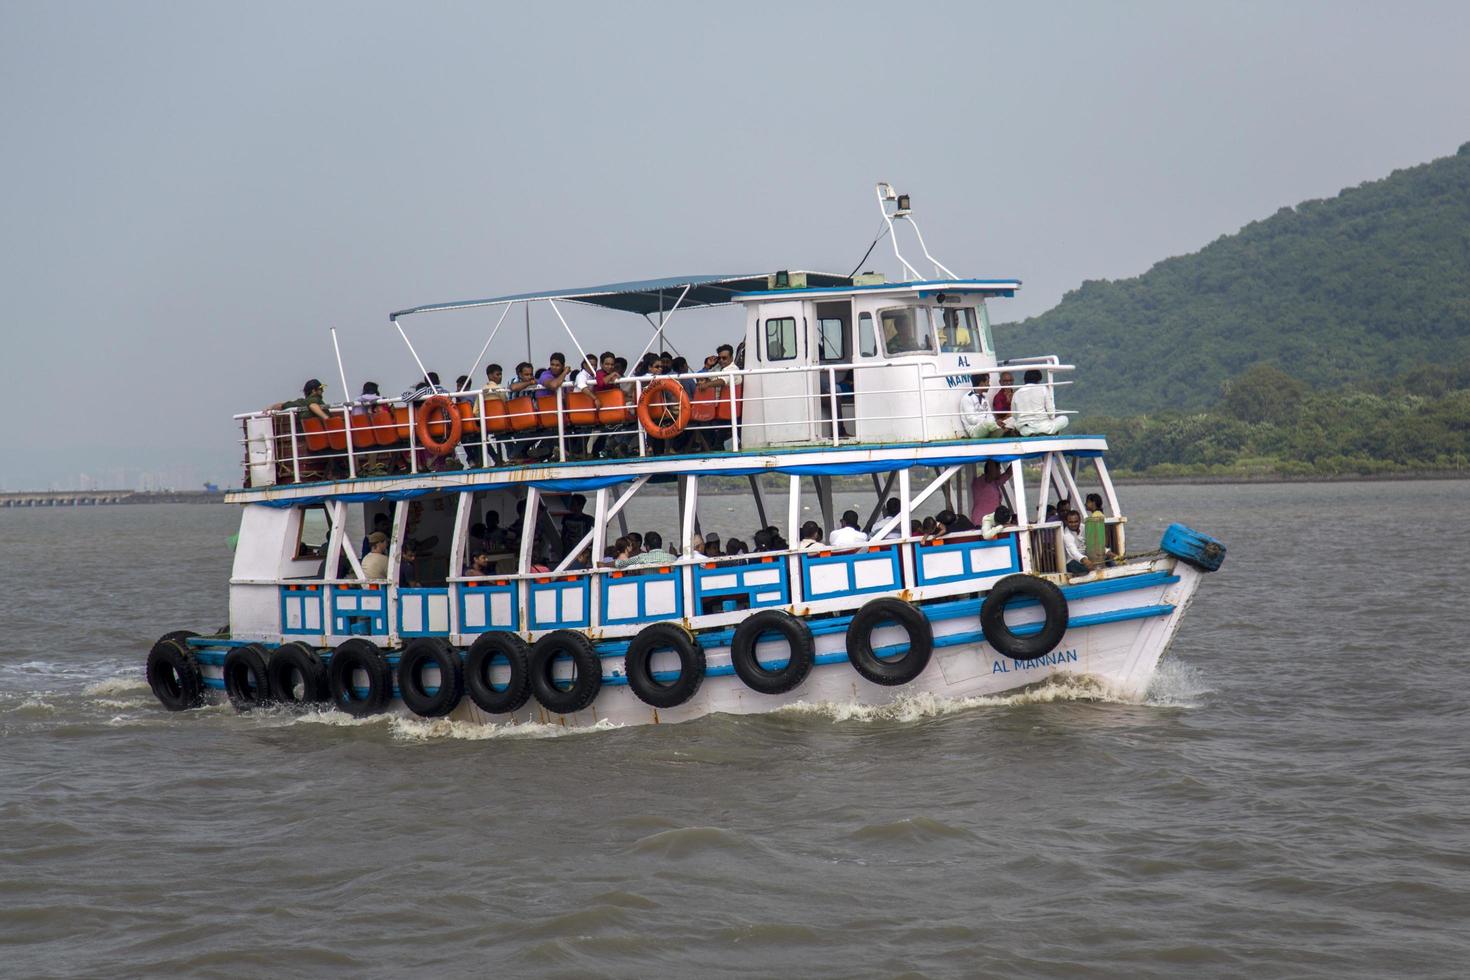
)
(1001, 403)
(494, 533)
(735, 548)
(428, 386)
(1033, 411)
(891, 510)
(382, 524)
(916, 527)
(608, 375)
(811, 536)
(848, 534)
(585, 377)
(408, 567)
(621, 548)
(930, 528)
(990, 527)
(576, 524)
(778, 541)
(495, 383)
(680, 365)
(987, 490)
(582, 562)
(540, 560)
(975, 412)
(711, 364)
(462, 383)
(944, 523)
(636, 541)
(525, 381)
(480, 566)
(311, 402)
(654, 556)
(375, 562)
(1077, 560)
(696, 546)
(479, 534)
(712, 546)
(961, 523)
(761, 541)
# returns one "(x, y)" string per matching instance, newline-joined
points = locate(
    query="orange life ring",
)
(438, 405)
(672, 408)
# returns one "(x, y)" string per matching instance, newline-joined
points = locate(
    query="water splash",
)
(921, 705)
(133, 683)
(1177, 685)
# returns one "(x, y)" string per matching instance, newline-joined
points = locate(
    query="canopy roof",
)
(644, 296)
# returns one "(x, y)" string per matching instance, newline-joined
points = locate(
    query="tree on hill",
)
(1351, 289)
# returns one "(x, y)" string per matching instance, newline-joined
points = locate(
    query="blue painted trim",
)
(464, 592)
(809, 560)
(643, 579)
(302, 597)
(995, 287)
(378, 620)
(964, 547)
(582, 584)
(740, 589)
(422, 597)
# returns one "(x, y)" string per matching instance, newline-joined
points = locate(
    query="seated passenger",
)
(408, 567)
(621, 548)
(991, 525)
(1077, 560)
(428, 386)
(848, 534)
(480, 566)
(975, 412)
(381, 522)
(916, 526)
(525, 382)
(654, 556)
(1000, 403)
(375, 562)
(891, 510)
(944, 523)
(735, 548)
(608, 375)
(576, 524)
(961, 523)
(1033, 412)
(712, 546)
(778, 541)
(811, 537)
(494, 383)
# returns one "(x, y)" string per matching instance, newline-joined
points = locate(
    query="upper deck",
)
(823, 363)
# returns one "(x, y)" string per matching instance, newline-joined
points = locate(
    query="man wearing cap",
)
(375, 562)
(312, 401)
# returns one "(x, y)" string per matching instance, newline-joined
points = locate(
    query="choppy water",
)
(1293, 799)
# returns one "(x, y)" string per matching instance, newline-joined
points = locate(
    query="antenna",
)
(902, 208)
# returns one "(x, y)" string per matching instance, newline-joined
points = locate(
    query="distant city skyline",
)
(197, 192)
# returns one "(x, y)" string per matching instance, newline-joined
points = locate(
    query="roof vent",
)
(869, 278)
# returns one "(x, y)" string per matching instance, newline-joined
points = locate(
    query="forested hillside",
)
(1358, 290)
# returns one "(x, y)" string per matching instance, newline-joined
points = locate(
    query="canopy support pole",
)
(760, 500)
(488, 339)
(410, 349)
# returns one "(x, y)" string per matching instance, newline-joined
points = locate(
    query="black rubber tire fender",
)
(486, 649)
(354, 655)
(798, 637)
(247, 682)
(174, 674)
(999, 635)
(638, 665)
(293, 660)
(423, 652)
(901, 669)
(565, 643)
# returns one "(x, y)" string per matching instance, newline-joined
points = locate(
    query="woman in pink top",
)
(985, 491)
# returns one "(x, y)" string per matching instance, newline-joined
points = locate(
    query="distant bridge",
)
(64, 498)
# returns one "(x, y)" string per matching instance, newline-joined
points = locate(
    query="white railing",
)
(383, 438)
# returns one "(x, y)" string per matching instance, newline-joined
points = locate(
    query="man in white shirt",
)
(1077, 563)
(993, 525)
(849, 535)
(375, 562)
(586, 378)
(975, 413)
(1033, 412)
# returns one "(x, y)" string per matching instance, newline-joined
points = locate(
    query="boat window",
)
(957, 330)
(311, 542)
(987, 343)
(867, 340)
(830, 339)
(780, 338)
(906, 330)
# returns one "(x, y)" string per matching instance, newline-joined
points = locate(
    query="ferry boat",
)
(836, 381)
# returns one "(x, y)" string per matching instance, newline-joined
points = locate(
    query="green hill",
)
(1365, 286)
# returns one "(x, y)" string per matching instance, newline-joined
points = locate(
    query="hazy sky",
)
(194, 192)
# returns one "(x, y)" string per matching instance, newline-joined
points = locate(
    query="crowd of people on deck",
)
(1006, 410)
(713, 380)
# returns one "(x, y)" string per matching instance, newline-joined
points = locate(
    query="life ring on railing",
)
(638, 665)
(756, 675)
(1034, 645)
(889, 671)
(422, 653)
(439, 405)
(666, 399)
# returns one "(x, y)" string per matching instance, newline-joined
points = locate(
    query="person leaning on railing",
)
(311, 404)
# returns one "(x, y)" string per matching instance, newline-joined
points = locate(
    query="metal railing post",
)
(295, 455)
(734, 420)
(484, 433)
(642, 436)
(832, 391)
(413, 448)
(561, 427)
(347, 428)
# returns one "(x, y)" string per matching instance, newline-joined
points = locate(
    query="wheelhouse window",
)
(830, 340)
(959, 331)
(867, 339)
(311, 540)
(781, 338)
(906, 330)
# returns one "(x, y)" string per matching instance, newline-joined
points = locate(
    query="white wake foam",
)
(920, 705)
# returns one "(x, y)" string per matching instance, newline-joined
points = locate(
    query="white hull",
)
(1115, 640)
